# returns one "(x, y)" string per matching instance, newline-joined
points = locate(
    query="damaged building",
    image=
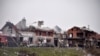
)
(81, 37)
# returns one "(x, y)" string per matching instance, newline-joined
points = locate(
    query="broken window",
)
(39, 33)
(70, 35)
(10, 29)
(40, 39)
(21, 39)
(48, 40)
(80, 35)
(49, 34)
(30, 40)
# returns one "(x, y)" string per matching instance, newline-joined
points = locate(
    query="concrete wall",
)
(44, 35)
(21, 24)
(26, 35)
(9, 32)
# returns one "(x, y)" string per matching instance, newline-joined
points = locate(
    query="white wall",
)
(7, 32)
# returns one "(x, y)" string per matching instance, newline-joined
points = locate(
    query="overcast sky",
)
(64, 13)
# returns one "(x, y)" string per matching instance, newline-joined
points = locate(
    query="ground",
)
(41, 51)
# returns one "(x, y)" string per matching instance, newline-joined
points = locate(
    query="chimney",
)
(88, 27)
(23, 23)
(40, 23)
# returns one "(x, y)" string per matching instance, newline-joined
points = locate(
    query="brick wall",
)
(74, 32)
(44, 33)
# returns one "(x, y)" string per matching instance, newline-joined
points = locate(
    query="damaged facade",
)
(19, 34)
(81, 37)
(44, 36)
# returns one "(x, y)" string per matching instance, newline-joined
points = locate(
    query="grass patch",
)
(94, 51)
(42, 51)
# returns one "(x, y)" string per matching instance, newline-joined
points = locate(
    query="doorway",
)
(56, 42)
